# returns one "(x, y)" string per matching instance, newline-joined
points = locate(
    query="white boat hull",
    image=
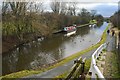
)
(70, 33)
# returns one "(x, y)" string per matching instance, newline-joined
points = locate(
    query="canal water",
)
(39, 53)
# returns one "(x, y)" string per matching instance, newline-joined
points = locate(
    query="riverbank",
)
(28, 72)
(10, 43)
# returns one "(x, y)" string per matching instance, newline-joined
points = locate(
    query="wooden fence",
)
(77, 69)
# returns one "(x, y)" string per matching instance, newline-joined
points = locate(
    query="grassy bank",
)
(83, 25)
(91, 22)
(65, 60)
(111, 69)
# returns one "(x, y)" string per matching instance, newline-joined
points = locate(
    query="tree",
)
(70, 11)
(93, 13)
(17, 23)
(63, 8)
(55, 6)
(4, 7)
(36, 7)
(74, 7)
(18, 8)
(115, 19)
(85, 16)
(99, 18)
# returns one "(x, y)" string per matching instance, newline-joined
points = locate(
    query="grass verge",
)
(64, 75)
(87, 24)
(63, 61)
(111, 69)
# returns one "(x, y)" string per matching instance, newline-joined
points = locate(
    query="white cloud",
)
(63, 0)
(88, 5)
(94, 0)
(116, 1)
(92, 5)
(112, 4)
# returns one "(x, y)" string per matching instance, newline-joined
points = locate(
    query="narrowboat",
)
(69, 30)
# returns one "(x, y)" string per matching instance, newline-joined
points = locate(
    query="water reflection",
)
(83, 31)
(99, 24)
(36, 54)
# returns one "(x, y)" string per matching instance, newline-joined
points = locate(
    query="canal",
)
(38, 53)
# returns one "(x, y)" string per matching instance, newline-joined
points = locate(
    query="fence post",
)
(83, 69)
(83, 65)
(77, 70)
(76, 64)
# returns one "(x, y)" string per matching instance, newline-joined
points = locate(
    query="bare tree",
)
(18, 17)
(35, 7)
(55, 6)
(63, 8)
(74, 7)
(18, 8)
(39, 7)
(4, 7)
(69, 9)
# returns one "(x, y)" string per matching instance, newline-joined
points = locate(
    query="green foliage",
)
(115, 19)
(85, 16)
(41, 25)
(20, 74)
(20, 22)
(93, 22)
(104, 50)
(87, 65)
(99, 18)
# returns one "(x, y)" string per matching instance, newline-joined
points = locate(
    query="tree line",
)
(23, 18)
(115, 19)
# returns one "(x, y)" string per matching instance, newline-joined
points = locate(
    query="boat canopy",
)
(69, 28)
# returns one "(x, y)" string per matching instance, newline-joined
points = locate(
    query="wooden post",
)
(83, 69)
(77, 70)
(75, 66)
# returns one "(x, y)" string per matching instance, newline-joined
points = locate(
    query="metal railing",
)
(96, 73)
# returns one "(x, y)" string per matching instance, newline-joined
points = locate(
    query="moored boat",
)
(69, 30)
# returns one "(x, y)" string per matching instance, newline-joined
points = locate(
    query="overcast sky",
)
(104, 7)
(107, 9)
